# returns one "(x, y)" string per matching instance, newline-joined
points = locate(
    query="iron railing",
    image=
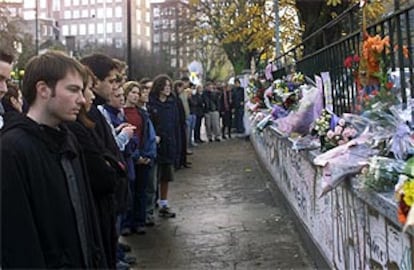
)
(399, 26)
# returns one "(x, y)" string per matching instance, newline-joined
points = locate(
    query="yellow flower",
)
(408, 190)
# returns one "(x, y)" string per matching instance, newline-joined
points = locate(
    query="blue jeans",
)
(151, 189)
(191, 121)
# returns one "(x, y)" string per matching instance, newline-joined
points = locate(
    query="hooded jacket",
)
(48, 216)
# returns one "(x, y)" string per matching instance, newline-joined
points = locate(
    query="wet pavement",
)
(229, 216)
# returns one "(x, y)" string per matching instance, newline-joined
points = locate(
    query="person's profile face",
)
(133, 95)
(68, 98)
(5, 70)
(89, 96)
(117, 98)
(106, 87)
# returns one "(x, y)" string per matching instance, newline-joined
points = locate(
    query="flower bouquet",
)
(404, 194)
(369, 71)
(381, 174)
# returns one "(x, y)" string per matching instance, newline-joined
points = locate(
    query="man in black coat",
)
(48, 218)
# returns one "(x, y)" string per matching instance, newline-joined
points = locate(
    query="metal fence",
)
(399, 26)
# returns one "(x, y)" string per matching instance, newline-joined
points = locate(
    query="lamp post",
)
(277, 25)
(129, 37)
(37, 26)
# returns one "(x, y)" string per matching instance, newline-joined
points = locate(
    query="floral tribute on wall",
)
(370, 72)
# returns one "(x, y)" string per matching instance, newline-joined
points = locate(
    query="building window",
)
(109, 12)
(156, 49)
(56, 6)
(42, 3)
(118, 43)
(109, 41)
(139, 30)
(147, 31)
(147, 17)
(118, 12)
(156, 12)
(73, 30)
(29, 4)
(92, 2)
(85, 13)
(156, 38)
(84, 2)
(67, 14)
(67, 3)
(76, 2)
(165, 36)
(76, 14)
(118, 27)
(100, 28)
(82, 29)
(91, 29)
(109, 27)
(65, 30)
(173, 62)
(100, 13)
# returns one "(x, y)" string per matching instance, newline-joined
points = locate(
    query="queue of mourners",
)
(88, 157)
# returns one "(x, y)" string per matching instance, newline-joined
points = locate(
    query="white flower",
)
(341, 122)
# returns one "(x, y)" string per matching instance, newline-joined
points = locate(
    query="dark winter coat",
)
(211, 100)
(116, 204)
(164, 116)
(238, 97)
(196, 104)
(48, 216)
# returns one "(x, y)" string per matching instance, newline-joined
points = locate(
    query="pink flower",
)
(348, 62)
(356, 58)
(338, 130)
(330, 134)
(340, 142)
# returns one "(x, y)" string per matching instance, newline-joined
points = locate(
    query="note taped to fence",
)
(327, 88)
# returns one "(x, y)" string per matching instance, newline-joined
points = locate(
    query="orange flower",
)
(404, 50)
(389, 85)
(375, 92)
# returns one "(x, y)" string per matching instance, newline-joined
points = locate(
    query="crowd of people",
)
(87, 156)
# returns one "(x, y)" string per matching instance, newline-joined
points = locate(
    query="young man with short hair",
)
(48, 218)
(5, 70)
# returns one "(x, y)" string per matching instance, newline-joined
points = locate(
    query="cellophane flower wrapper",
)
(266, 121)
(381, 174)
(344, 161)
(278, 112)
(310, 107)
(306, 142)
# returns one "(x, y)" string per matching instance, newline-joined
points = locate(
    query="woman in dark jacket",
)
(164, 115)
(102, 171)
(198, 105)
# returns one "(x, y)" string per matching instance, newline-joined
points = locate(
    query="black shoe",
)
(224, 137)
(187, 165)
(201, 141)
(218, 140)
(124, 247)
(165, 212)
(210, 140)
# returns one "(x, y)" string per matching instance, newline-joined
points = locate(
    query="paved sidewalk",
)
(228, 217)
